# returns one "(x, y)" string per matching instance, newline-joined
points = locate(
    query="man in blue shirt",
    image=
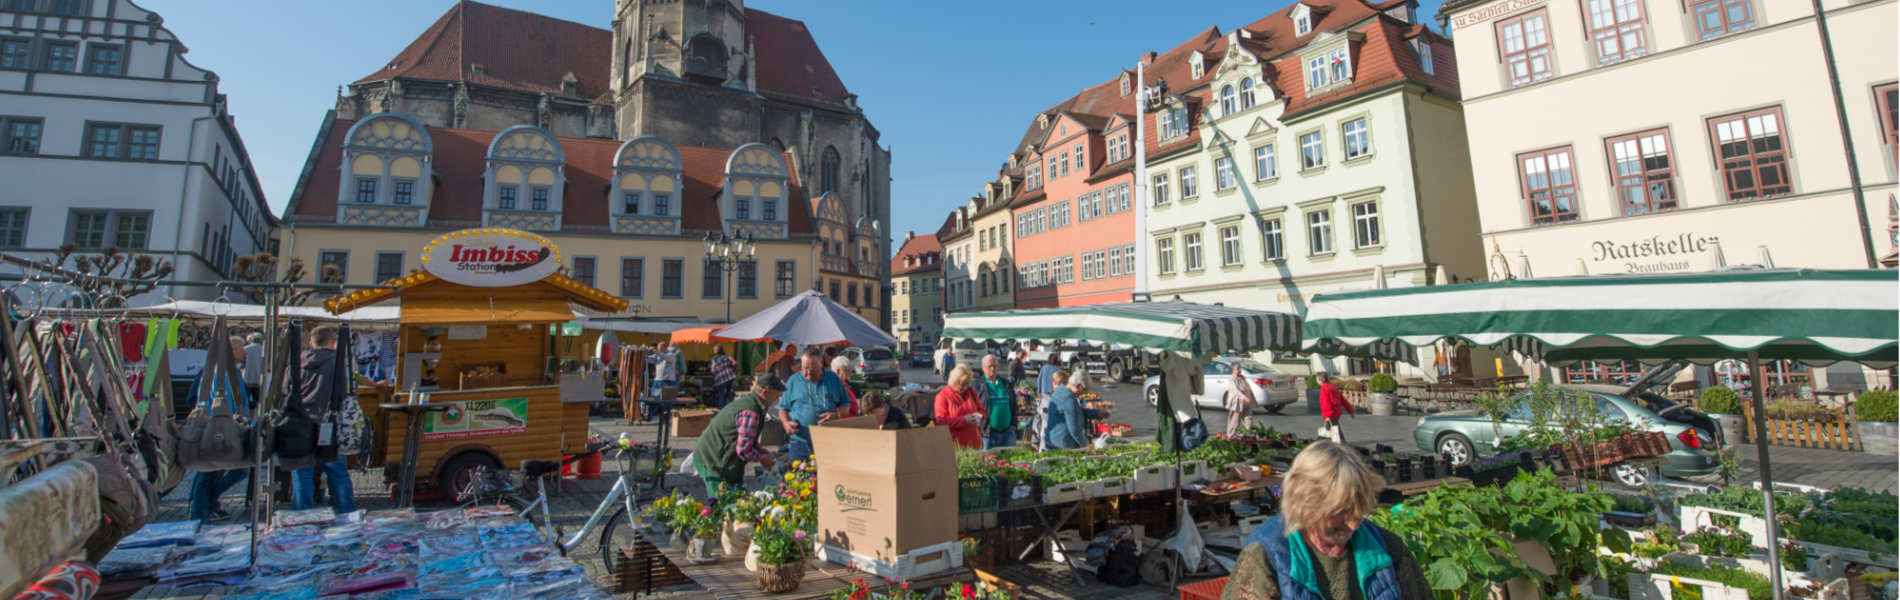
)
(812, 396)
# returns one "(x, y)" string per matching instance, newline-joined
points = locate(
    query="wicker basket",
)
(780, 578)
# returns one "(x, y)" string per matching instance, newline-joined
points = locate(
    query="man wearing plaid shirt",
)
(722, 369)
(732, 439)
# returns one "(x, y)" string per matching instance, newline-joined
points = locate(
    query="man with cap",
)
(732, 439)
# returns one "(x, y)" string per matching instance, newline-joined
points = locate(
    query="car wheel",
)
(1153, 395)
(1117, 372)
(1457, 448)
(1629, 475)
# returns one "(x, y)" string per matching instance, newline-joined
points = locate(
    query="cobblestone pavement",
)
(1043, 579)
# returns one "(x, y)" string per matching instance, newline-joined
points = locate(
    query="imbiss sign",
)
(491, 257)
(1492, 11)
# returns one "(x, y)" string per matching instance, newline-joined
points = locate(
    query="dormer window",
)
(1127, 85)
(524, 161)
(1198, 64)
(756, 175)
(1328, 69)
(386, 159)
(1423, 49)
(1302, 19)
(646, 175)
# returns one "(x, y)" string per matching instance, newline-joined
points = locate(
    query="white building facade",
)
(1317, 165)
(109, 138)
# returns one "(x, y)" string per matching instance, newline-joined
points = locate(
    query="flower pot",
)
(752, 557)
(1382, 404)
(780, 578)
(734, 537)
(1877, 438)
(703, 550)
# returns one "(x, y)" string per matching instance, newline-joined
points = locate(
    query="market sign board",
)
(491, 257)
(477, 418)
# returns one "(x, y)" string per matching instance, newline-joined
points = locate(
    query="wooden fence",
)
(1838, 433)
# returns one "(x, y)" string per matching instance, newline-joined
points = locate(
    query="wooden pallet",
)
(1838, 434)
(643, 568)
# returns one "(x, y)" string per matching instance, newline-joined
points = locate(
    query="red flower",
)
(969, 591)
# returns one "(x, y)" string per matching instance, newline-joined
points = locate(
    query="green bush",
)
(1720, 400)
(1876, 405)
(1382, 384)
(1312, 382)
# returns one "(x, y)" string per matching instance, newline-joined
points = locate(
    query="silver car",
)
(1272, 389)
(878, 365)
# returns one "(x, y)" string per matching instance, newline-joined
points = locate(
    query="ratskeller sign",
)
(491, 257)
(1636, 255)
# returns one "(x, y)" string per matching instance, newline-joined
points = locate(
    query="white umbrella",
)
(808, 319)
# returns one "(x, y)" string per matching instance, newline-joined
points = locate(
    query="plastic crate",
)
(976, 495)
(1152, 478)
(1204, 590)
(1067, 492)
(1021, 494)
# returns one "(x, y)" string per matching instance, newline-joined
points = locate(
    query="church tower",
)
(702, 41)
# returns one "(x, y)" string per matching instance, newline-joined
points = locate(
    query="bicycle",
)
(617, 531)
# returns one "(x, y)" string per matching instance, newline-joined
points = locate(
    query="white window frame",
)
(1266, 163)
(1272, 239)
(1319, 232)
(1318, 137)
(1164, 255)
(1224, 178)
(1191, 248)
(1230, 251)
(1365, 225)
(1160, 189)
(1190, 182)
(1365, 136)
(1228, 101)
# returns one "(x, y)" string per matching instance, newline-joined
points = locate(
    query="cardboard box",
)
(691, 423)
(883, 494)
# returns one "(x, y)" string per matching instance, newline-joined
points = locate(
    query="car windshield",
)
(877, 354)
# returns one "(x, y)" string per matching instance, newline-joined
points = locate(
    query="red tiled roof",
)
(461, 157)
(922, 247)
(1382, 59)
(524, 51)
(516, 50)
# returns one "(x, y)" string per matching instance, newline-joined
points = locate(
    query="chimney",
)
(908, 235)
(1149, 58)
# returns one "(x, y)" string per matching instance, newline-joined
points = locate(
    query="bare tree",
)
(262, 268)
(112, 276)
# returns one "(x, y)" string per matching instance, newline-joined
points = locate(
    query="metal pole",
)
(1847, 144)
(1141, 184)
(1767, 480)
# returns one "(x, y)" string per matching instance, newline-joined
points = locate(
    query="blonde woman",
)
(957, 407)
(1320, 546)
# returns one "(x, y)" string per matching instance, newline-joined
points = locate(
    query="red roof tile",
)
(461, 157)
(524, 51)
(923, 247)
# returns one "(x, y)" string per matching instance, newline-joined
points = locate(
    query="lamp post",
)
(729, 251)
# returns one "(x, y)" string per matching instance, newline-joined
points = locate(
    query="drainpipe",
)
(178, 232)
(1141, 183)
(1847, 144)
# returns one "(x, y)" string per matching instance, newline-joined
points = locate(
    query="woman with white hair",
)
(1320, 546)
(843, 367)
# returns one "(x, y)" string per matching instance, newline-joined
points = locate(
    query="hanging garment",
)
(132, 341)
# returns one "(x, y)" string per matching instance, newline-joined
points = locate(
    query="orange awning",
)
(703, 335)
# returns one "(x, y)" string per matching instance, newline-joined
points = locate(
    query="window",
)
(22, 136)
(13, 53)
(119, 140)
(1035, 177)
(851, 293)
(1365, 224)
(1721, 17)
(1317, 75)
(1246, 93)
(1312, 151)
(1164, 255)
(672, 278)
(1128, 259)
(1080, 165)
(334, 258)
(94, 230)
(1340, 65)
(1062, 162)
(771, 210)
(828, 171)
(1754, 157)
(103, 60)
(13, 227)
(1303, 23)
(1058, 217)
(506, 197)
(633, 273)
(784, 273)
(1115, 262)
(405, 192)
(1191, 250)
(366, 190)
(1887, 102)
(712, 280)
(1616, 29)
(1424, 50)
(388, 265)
(584, 270)
(1525, 44)
(1172, 122)
(1358, 143)
(870, 299)
(61, 56)
(1161, 189)
(1228, 102)
(1264, 165)
(540, 199)
(1549, 185)
(1054, 169)
(1272, 240)
(1224, 173)
(1642, 172)
(1319, 231)
(1190, 185)
(1230, 245)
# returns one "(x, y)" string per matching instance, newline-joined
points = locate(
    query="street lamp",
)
(729, 251)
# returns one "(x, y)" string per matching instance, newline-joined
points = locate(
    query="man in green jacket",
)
(732, 439)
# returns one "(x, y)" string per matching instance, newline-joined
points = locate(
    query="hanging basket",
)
(780, 578)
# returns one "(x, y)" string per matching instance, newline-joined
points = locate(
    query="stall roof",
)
(235, 311)
(480, 304)
(639, 326)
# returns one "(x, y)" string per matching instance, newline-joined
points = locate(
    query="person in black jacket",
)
(319, 384)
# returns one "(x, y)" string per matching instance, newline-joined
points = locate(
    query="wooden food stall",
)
(477, 333)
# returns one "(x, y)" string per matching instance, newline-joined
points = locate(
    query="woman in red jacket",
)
(958, 409)
(1331, 404)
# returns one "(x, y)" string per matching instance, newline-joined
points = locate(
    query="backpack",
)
(294, 437)
(1123, 568)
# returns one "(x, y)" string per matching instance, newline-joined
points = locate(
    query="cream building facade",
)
(994, 264)
(917, 303)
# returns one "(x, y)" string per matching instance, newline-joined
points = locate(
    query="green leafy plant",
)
(1719, 541)
(1794, 556)
(1747, 501)
(1382, 383)
(1630, 504)
(1877, 406)
(1496, 406)
(1462, 535)
(1719, 400)
(781, 545)
(1652, 549)
(1756, 585)
(1312, 382)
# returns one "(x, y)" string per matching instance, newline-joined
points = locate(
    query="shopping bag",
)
(213, 437)
(1330, 432)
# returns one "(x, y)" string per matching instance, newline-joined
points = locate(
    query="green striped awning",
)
(1812, 316)
(1175, 326)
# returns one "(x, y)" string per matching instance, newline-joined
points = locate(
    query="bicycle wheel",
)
(618, 532)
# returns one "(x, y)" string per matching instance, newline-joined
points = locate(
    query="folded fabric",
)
(172, 533)
(293, 518)
(135, 562)
(368, 583)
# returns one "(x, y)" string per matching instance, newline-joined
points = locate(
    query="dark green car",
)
(1695, 439)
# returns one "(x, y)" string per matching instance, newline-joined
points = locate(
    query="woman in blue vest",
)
(1321, 546)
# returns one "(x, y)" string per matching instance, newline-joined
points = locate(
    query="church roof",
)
(529, 52)
(460, 159)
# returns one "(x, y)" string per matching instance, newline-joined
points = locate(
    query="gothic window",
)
(706, 57)
(828, 180)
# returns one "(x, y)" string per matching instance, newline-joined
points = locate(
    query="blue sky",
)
(949, 84)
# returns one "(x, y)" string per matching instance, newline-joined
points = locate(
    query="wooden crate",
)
(691, 423)
(642, 568)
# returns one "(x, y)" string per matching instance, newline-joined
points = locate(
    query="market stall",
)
(1813, 316)
(477, 334)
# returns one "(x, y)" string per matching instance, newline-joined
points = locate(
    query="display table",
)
(411, 443)
(729, 579)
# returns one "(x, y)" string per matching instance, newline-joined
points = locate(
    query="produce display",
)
(1846, 518)
(1462, 535)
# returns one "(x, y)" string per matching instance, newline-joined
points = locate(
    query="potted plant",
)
(1725, 406)
(1379, 393)
(782, 552)
(1312, 394)
(742, 516)
(1874, 415)
(704, 527)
